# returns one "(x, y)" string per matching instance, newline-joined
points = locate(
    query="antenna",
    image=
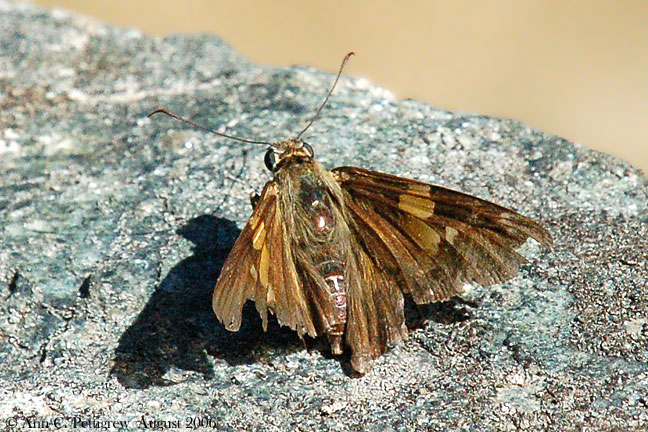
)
(197, 126)
(344, 62)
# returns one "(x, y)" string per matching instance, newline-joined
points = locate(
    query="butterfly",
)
(334, 252)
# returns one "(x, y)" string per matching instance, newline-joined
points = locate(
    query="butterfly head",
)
(282, 152)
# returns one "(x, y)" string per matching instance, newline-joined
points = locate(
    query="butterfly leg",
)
(254, 199)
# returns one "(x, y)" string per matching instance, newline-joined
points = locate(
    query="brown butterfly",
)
(334, 252)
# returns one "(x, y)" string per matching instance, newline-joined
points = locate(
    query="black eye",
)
(271, 158)
(308, 149)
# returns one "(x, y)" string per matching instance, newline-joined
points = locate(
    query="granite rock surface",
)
(114, 227)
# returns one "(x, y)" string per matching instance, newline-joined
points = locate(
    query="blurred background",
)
(578, 69)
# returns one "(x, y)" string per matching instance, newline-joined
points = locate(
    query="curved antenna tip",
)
(160, 110)
(319, 110)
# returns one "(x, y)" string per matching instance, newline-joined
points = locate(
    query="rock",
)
(115, 227)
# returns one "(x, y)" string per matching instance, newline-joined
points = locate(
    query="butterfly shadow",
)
(452, 311)
(177, 327)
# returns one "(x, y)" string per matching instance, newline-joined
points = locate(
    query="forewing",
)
(261, 268)
(431, 239)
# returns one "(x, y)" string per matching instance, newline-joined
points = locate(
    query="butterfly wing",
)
(375, 311)
(425, 240)
(261, 268)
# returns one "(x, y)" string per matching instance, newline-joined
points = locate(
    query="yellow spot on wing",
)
(253, 272)
(264, 266)
(427, 238)
(451, 233)
(259, 236)
(419, 188)
(422, 208)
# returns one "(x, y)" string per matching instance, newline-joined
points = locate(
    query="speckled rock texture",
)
(114, 228)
